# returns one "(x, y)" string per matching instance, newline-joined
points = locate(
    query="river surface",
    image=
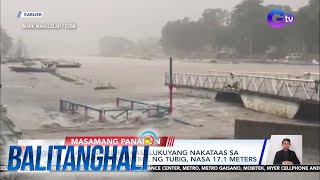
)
(31, 97)
(33, 105)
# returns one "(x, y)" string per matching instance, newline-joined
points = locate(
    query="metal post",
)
(170, 86)
(117, 102)
(101, 116)
(250, 46)
(304, 51)
(86, 113)
(61, 105)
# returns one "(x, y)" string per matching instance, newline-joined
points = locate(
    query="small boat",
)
(3, 62)
(32, 69)
(28, 63)
(68, 65)
(101, 87)
(15, 60)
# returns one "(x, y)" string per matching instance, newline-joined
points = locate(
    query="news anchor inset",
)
(286, 156)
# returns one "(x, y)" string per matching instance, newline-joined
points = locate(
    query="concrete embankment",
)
(269, 104)
(249, 129)
(277, 105)
(227, 96)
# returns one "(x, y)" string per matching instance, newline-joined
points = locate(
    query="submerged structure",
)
(123, 107)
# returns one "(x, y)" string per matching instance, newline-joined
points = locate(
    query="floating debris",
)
(137, 120)
(66, 64)
(104, 87)
(186, 123)
(32, 69)
(65, 78)
(50, 125)
(213, 61)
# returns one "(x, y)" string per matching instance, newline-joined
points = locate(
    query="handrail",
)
(302, 89)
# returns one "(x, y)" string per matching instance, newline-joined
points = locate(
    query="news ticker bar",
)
(210, 168)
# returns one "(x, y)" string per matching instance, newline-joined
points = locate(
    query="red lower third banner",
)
(119, 141)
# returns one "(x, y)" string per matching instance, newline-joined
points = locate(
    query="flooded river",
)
(33, 98)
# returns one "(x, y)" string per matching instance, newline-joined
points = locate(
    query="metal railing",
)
(204, 81)
(301, 89)
(152, 110)
(304, 75)
(269, 74)
(312, 76)
(124, 106)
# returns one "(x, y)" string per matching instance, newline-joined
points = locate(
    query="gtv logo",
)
(279, 21)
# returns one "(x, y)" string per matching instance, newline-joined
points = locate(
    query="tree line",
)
(120, 46)
(6, 42)
(244, 29)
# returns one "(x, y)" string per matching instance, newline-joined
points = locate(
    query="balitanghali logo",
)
(279, 21)
(22, 14)
(149, 138)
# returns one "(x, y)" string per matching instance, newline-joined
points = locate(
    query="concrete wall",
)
(201, 93)
(285, 107)
(247, 129)
(277, 106)
(226, 96)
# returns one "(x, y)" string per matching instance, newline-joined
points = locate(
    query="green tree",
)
(115, 46)
(248, 23)
(182, 37)
(245, 29)
(6, 42)
(215, 17)
(307, 20)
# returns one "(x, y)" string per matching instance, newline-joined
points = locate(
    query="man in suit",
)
(286, 156)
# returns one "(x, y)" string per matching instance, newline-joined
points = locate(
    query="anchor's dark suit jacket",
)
(283, 156)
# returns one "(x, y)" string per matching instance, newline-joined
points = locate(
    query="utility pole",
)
(250, 43)
(170, 85)
(250, 46)
(304, 51)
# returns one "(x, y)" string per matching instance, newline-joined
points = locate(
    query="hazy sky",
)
(134, 19)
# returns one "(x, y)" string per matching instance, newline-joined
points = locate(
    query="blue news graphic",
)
(19, 14)
(279, 21)
(30, 14)
(93, 158)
